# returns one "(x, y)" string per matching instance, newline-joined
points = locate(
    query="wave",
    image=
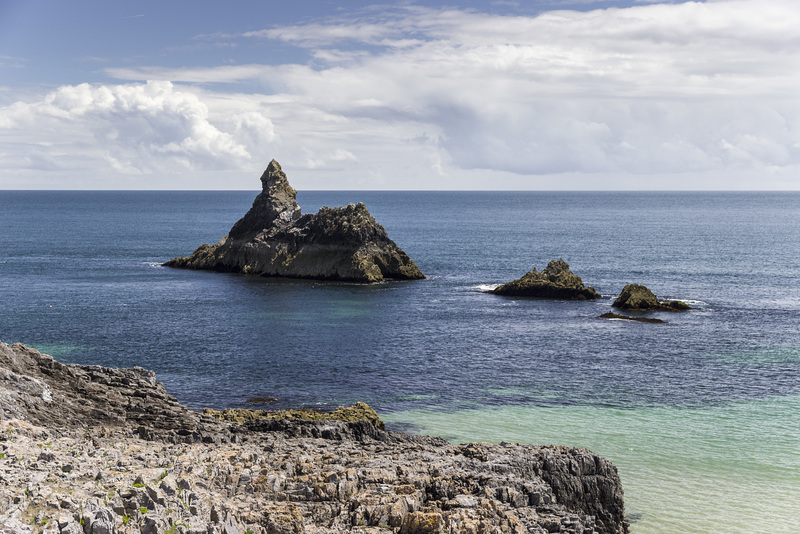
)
(693, 303)
(484, 287)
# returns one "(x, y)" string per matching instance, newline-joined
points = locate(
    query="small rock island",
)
(639, 297)
(556, 281)
(274, 239)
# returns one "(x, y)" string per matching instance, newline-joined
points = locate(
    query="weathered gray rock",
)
(273, 239)
(638, 297)
(265, 476)
(36, 388)
(556, 281)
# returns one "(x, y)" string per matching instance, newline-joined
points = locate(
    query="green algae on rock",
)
(556, 281)
(638, 297)
(274, 239)
(359, 411)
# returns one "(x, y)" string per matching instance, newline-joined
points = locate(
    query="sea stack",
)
(274, 239)
(556, 281)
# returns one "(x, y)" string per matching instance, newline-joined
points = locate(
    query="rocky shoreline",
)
(88, 449)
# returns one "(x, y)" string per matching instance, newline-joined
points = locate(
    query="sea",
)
(701, 414)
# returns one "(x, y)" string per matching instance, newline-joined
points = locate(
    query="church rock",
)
(275, 239)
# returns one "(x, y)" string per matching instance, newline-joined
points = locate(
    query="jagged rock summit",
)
(556, 281)
(274, 239)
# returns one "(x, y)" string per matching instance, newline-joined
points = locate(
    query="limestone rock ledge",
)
(359, 411)
(69, 467)
(556, 281)
(274, 239)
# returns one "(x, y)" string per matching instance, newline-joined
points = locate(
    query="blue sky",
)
(582, 94)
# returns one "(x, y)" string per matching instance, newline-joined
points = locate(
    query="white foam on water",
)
(485, 287)
(693, 303)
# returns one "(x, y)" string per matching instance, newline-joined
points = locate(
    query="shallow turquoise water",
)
(731, 468)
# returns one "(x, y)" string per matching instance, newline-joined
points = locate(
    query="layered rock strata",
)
(638, 297)
(155, 466)
(556, 281)
(274, 239)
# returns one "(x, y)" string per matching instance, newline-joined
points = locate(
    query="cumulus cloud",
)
(134, 128)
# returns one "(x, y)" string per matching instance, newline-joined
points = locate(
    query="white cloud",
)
(692, 87)
(411, 96)
(220, 74)
(136, 128)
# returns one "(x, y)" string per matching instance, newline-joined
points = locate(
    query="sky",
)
(412, 95)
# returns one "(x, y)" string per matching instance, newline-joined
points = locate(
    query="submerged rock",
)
(70, 467)
(612, 315)
(638, 297)
(274, 239)
(556, 281)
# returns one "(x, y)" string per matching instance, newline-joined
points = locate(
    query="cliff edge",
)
(92, 449)
(275, 239)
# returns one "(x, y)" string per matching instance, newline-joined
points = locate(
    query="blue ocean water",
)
(699, 414)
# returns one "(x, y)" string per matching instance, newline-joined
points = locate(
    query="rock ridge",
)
(36, 388)
(275, 239)
(155, 466)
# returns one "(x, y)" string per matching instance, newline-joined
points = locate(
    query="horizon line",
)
(412, 190)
